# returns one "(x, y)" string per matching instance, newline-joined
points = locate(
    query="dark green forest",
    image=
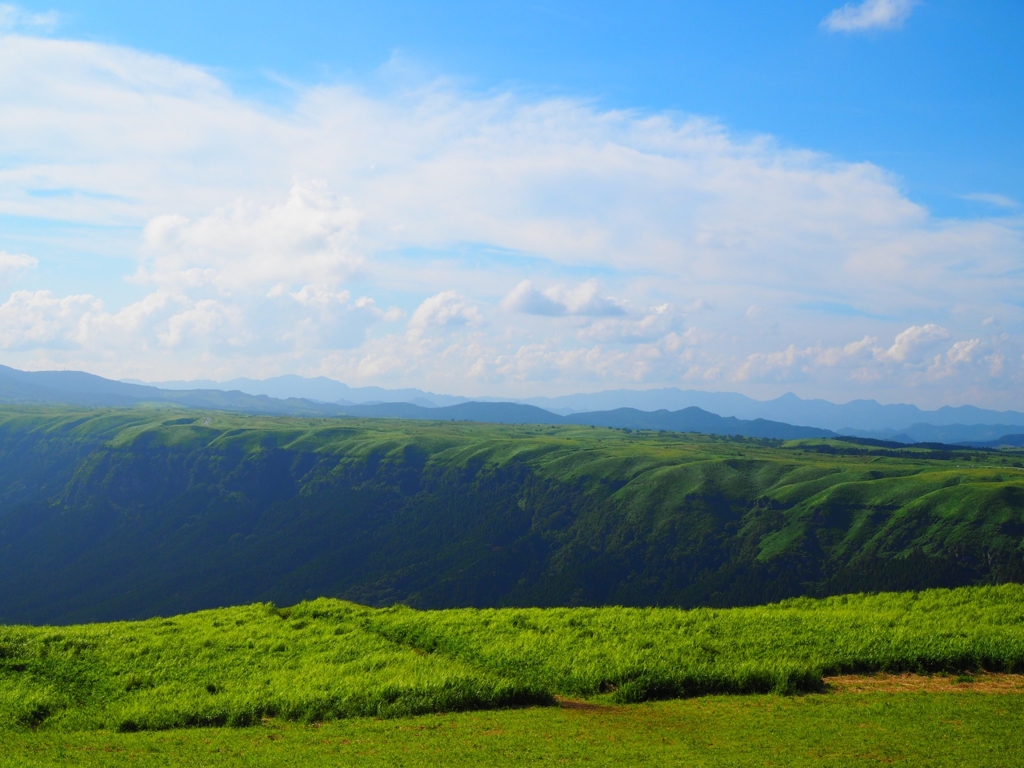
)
(130, 513)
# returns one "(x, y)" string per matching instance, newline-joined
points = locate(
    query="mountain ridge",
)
(83, 389)
(867, 418)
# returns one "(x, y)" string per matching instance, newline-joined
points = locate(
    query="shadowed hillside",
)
(130, 513)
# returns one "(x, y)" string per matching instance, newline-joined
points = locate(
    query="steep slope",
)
(115, 514)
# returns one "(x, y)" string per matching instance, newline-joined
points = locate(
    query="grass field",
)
(914, 729)
(333, 683)
(327, 660)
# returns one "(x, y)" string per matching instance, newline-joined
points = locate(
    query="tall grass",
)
(231, 667)
(645, 653)
(328, 659)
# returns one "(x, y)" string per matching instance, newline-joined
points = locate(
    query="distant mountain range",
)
(686, 420)
(855, 417)
(319, 388)
(735, 415)
(860, 418)
(85, 389)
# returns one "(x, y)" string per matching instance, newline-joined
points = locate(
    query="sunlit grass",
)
(327, 660)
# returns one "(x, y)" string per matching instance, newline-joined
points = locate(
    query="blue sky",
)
(520, 198)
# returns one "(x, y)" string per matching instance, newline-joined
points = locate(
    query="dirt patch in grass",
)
(585, 706)
(908, 683)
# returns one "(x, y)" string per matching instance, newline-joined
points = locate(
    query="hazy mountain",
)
(862, 415)
(320, 388)
(1006, 441)
(695, 419)
(78, 388)
(494, 413)
(866, 418)
(686, 420)
(321, 397)
(932, 433)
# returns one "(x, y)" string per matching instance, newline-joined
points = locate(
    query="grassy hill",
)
(110, 514)
(328, 659)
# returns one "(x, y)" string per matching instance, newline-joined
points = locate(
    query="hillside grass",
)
(232, 667)
(327, 660)
(112, 514)
(640, 654)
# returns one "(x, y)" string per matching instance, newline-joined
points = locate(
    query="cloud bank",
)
(480, 244)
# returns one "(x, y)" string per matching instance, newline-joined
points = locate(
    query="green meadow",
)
(936, 729)
(327, 660)
(332, 683)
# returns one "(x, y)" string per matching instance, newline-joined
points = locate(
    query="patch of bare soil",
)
(908, 683)
(584, 706)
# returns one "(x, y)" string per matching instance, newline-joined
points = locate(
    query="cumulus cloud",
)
(13, 263)
(913, 344)
(912, 349)
(780, 364)
(961, 353)
(321, 298)
(656, 323)
(444, 310)
(869, 14)
(203, 319)
(32, 319)
(582, 299)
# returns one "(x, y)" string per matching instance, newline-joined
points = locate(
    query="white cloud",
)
(258, 226)
(13, 17)
(1001, 201)
(321, 298)
(869, 14)
(655, 324)
(557, 300)
(961, 353)
(247, 247)
(912, 345)
(443, 310)
(39, 319)
(781, 364)
(13, 263)
(833, 356)
(203, 319)
(995, 363)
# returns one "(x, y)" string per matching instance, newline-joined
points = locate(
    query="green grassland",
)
(327, 659)
(948, 729)
(333, 683)
(128, 513)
